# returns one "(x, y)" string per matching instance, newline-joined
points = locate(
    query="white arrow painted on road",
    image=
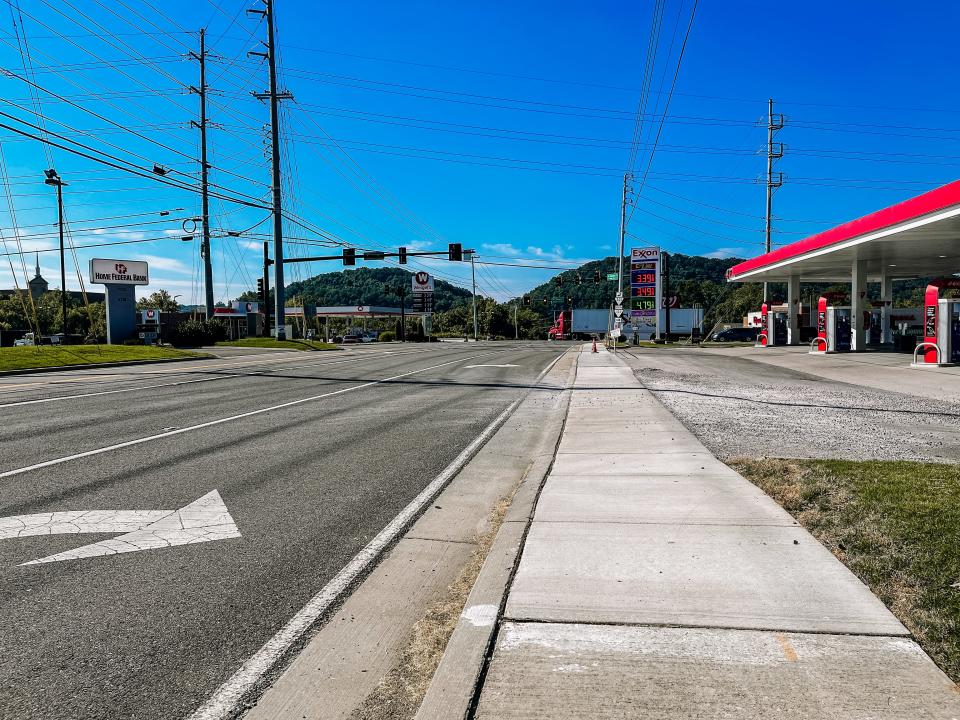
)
(203, 520)
(467, 367)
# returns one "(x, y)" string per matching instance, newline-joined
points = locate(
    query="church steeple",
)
(38, 286)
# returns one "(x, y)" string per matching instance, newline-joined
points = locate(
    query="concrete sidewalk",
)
(656, 582)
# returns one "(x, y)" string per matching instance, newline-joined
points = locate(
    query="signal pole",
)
(774, 152)
(204, 168)
(473, 272)
(275, 98)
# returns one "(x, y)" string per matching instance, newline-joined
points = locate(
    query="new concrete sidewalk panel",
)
(688, 500)
(627, 673)
(735, 576)
(694, 463)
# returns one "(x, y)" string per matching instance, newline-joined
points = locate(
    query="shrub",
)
(198, 332)
(387, 336)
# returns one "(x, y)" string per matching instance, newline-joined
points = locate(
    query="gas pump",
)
(773, 327)
(941, 326)
(874, 326)
(834, 327)
(762, 336)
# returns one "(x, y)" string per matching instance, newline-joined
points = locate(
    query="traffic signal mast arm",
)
(380, 255)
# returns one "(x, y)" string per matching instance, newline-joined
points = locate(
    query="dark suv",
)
(735, 334)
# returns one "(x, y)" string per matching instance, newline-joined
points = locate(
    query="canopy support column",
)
(886, 296)
(793, 310)
(858, 296)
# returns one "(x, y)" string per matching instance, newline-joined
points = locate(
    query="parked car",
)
(351, 338)
(369, 337)
(735, 334)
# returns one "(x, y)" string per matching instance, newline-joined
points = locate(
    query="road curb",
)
(454, 684)
(95, 366)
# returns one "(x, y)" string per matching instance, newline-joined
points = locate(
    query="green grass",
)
(261, 342)
(896, 525)
(21, 358)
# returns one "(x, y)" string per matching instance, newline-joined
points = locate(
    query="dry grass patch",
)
(896, 525)
(401, 691)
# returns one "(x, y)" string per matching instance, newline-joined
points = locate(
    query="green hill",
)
(695, 279)
(369, 286)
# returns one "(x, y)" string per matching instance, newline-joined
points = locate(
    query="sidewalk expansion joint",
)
(687, 626)
(441, 540)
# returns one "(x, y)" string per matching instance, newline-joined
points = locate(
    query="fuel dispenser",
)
(941, 326)
(773, 327)
(833, 328)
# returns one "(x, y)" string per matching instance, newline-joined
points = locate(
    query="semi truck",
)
(579, 324)
(584, 324)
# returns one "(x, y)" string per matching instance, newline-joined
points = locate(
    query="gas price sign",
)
(644, 284)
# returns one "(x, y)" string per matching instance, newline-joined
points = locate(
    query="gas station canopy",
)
(919, 237)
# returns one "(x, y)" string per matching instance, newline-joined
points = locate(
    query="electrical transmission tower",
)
(275, 98)
(774, 152)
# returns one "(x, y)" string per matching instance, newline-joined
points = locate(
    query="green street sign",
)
(611, 276)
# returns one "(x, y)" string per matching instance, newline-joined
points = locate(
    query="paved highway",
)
(310, 454)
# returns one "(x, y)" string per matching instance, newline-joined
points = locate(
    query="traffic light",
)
(260, 290)
(402, 256)
(596, 277)
(526, 299)
(455, 252)
(349, 256)
(544, 301)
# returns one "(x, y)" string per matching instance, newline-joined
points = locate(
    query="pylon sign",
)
(645, 285)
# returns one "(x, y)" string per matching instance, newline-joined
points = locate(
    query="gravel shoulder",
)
(741, 408)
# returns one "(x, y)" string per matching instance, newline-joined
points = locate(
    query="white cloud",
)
(169, 264)
(726, 252)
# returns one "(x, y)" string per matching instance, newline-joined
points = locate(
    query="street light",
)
(52, 178)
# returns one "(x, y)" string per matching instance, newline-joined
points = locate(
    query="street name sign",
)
(612, 276)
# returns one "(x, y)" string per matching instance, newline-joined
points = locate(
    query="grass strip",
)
(41, 356)
(896, 525)
(261, 342)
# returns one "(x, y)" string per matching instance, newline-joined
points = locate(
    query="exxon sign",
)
(119, 272)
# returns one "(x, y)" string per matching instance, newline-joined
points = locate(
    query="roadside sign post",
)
(422, 285)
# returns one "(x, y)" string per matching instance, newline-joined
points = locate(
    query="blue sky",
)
(503, 126)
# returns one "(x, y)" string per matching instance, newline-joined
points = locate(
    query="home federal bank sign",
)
(119, 272)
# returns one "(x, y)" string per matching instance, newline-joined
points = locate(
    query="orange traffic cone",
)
(594, 345)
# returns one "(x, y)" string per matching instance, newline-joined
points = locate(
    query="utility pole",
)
(204, 168)
(473, 272)
(623, 232)
(516, 329)
(275, 98)
(54, 179)
(774, 123)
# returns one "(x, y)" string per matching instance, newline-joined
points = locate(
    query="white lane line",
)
(225, 699)
(223, 702)
(211, 423)
(139, 388)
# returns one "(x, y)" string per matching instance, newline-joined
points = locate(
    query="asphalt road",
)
(153, 633)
